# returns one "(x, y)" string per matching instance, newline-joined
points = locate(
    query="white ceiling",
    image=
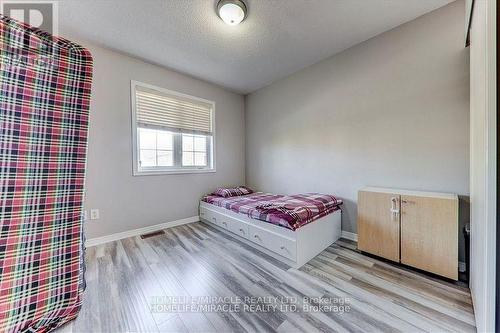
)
(277, 38)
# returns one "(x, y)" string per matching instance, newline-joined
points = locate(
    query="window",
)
(172, 132)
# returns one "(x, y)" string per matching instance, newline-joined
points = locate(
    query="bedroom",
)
(249, 166)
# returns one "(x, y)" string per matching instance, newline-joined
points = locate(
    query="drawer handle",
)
(256, 236)
(213, 218)
(282, 247)
(242, 231)
(224, 223)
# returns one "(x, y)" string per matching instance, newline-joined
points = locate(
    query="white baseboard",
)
(349, 235)
(140, 231)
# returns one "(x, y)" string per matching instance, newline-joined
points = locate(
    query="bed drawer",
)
(239, 228)
(224, 223)
(210, 216)
(203, 213)
(235, 226)
(281, 245)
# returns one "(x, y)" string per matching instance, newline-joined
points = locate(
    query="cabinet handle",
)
(242, 231)
(224, 223)
(394, 208)
(256, 236)
(282, 247)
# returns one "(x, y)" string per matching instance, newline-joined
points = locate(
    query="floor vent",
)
(152, 234)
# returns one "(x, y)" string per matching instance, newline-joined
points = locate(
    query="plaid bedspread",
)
(45, 85)
(304, 208)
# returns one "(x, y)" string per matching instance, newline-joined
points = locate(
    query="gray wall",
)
(127, 202)
(392, 111)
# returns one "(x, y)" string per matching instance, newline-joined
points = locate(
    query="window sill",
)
(171, 172)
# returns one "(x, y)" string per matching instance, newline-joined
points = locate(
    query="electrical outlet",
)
(94, 214)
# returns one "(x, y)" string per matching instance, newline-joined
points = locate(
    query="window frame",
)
(176, 169)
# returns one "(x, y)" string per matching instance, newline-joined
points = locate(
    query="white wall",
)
(483, 162)
(127, 202)
(392, 111)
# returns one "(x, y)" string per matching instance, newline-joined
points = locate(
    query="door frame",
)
(483, 163)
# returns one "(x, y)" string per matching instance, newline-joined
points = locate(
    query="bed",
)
(293, 229)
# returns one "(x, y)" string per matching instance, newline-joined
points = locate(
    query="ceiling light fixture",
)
(232, 11)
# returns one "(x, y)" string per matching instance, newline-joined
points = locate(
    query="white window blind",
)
(160, 110)
(172, 132)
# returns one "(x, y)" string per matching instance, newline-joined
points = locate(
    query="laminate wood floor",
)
(130, 284)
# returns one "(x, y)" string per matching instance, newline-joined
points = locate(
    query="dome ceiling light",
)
(232, 12)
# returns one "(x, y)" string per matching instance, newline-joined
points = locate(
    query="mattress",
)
(299, 209)
(45, 85)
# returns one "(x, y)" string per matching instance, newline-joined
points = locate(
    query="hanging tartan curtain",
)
(45, 85)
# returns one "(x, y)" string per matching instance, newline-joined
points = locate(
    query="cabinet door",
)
(378, 224)
(429, 234)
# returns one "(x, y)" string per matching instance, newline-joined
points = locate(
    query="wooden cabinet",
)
(378, 225)
(418, 229)
(429, 234)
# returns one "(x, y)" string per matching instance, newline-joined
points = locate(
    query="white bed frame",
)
(295, 248)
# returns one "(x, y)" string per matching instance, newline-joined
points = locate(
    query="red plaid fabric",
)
(232, 191)
(45, 85)
(291, 212)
